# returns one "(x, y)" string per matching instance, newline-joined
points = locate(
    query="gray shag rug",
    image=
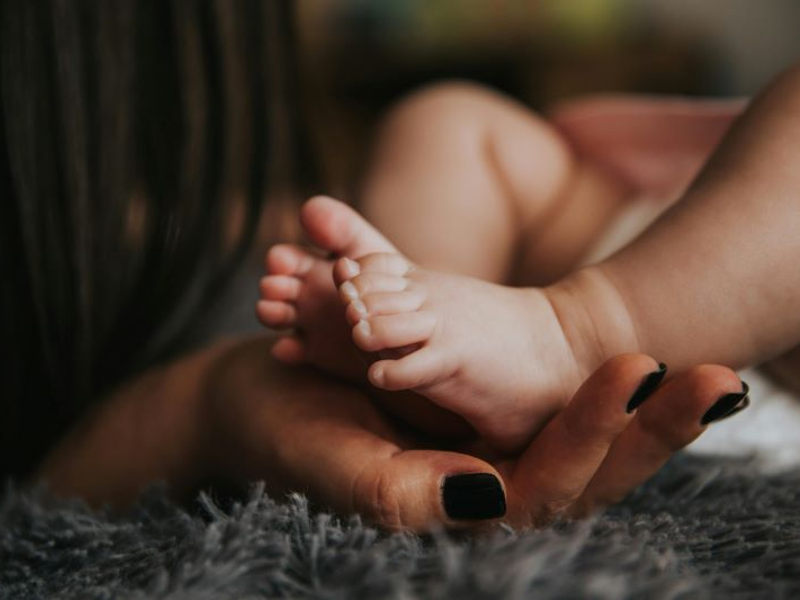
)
(702, 528)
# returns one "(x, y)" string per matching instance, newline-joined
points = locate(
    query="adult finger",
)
(673, 417)
(332, 443)
(561, 461)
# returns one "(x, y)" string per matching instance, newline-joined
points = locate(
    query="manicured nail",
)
(727, 406)
(473, 496)
(352, 267)
(349, 291)
(647, 387)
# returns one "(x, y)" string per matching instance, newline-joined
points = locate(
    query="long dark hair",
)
(137, 141)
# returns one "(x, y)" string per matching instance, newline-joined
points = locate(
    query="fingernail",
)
(349, 291)
(473, 496)
(647, 387)
(352, 267)
(727, 406)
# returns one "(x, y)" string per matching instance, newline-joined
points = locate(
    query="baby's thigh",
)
(478, 131)
(462, 149)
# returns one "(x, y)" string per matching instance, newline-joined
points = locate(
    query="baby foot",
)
(497, 356)
(299, 294)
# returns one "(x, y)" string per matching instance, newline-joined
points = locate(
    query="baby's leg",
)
(470, 182)
(716, 278)
(485, 351)
(467, 181)
(461, 177)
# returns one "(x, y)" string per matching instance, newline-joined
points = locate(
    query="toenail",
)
(376, 376)
(360, 308)
(349, 291)
(364, 327)
(351, 267)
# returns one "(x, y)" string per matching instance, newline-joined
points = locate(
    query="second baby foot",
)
(298, 293)
(495, 355)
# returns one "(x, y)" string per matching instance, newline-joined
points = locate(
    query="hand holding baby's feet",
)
(495, 355)
(618, 429)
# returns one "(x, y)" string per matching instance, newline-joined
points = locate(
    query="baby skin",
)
(448, 335)
(453, 335)
(506, 358)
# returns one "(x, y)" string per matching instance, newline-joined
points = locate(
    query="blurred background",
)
(361, 55)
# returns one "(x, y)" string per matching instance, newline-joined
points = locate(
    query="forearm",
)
(717, 278)
(152, 429)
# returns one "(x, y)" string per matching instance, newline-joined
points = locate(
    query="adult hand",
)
(302, 432)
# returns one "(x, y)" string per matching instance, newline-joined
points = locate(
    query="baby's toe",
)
(276, 314)
(344, 269)
(290, 350)
(420, 368)
(336, 227)
(379, 333)
(280, 287)
(367, 283)
(389, 263)
(288, 259)
(384, 303)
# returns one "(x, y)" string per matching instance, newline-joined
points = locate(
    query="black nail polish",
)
(473, 496)
(727, 406)
(647, 387)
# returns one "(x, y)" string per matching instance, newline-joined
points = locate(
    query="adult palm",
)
(301, 431)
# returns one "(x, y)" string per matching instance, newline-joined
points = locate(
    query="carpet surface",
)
(704, 527)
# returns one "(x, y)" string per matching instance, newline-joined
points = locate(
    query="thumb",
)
(330, 441)
(421, 490)
(346, 456)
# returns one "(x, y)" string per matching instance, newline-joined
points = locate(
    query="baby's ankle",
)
(594, 317)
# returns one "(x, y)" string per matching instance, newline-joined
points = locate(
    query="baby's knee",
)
(455, 115)
(446, 100)
(462, 108)
(443, 113)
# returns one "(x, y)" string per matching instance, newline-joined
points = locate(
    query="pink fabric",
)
(655, 144)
